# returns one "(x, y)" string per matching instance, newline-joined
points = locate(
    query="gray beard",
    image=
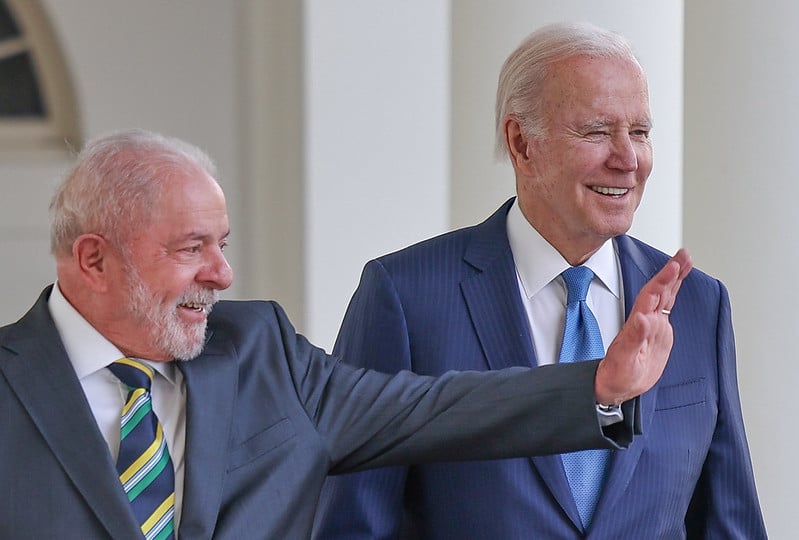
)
(179, 340)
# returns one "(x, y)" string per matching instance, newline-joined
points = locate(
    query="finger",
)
(670, 279)
(682, 258)
(657, 293)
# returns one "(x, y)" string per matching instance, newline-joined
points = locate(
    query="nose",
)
(216, 272)
(623, 154)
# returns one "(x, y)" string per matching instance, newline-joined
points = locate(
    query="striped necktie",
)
(582, 340)
(144, 467)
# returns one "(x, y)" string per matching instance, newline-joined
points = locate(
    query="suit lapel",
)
(551, 470)
(211, 382)
(492, 296)
(495, 307)
(636, 270)
(46, 385)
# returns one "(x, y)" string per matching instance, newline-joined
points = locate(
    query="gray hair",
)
(523, 74)
(115, 180)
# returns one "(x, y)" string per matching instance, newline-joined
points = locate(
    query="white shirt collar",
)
(538, 263)
(88, 350)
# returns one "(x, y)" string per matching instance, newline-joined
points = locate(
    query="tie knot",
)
(132, 373)
(577, 279)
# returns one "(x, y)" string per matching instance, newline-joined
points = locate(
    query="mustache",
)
(203, 298)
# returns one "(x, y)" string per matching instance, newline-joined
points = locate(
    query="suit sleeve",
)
(725, 502)
(421, 410)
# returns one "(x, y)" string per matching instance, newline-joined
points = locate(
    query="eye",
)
(597, 134)
(640, 133)
(194, 248)
(222, 245)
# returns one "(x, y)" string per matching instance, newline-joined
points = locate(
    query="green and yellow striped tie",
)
(144, 467)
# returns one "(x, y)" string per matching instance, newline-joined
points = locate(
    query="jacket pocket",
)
(261, 443)
(684, 394)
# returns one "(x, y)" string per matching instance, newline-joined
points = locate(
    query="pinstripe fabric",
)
(144, 467)
(452, 302)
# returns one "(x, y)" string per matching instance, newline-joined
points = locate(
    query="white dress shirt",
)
(90, 354)
(544, 294)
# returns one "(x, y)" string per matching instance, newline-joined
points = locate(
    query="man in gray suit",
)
(248, 429)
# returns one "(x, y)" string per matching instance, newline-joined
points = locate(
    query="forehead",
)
(189, 201)
(595, 88)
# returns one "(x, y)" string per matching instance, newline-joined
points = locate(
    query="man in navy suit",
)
(573, 118)
(258, 417)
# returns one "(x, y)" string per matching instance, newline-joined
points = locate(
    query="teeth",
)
(200, 301)
(609, 190)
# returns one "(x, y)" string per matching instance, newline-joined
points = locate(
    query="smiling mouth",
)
(613, 192)
(201, 301)
(194, 307)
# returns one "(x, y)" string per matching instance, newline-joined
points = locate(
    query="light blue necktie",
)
(582, 340)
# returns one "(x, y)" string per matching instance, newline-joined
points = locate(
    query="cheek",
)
(173, 282)
(537, 191)
(645, 160)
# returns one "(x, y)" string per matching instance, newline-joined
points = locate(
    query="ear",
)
(518, 145)
(91, 253)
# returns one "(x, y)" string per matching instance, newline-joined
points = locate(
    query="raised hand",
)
(637, 356)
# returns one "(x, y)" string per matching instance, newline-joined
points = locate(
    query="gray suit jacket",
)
(268, 417)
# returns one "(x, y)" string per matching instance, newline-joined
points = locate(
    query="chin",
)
(612, 228)
(182, 341)
(188, 352)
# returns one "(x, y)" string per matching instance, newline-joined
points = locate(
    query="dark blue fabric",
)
(452, 302)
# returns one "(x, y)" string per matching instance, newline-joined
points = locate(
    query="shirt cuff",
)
(609, 414)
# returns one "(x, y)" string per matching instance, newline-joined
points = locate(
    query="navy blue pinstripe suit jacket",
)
(452, 302)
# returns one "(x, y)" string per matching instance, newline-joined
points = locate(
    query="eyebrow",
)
(597, 124)
(196, 235)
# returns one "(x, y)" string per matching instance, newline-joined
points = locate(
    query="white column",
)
(394, 153)
(741, 193)
(376, 141)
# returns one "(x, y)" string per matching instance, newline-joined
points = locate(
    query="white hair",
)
(115, 180)
(523, 74)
